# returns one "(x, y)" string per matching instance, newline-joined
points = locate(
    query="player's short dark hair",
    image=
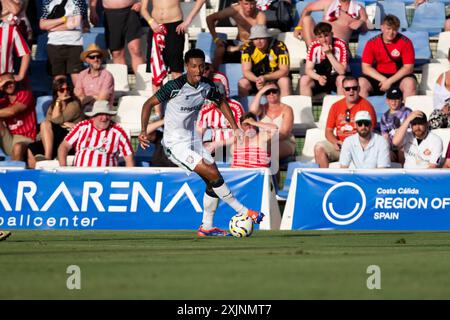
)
(321, 28)
(193, 54)
(391, 21)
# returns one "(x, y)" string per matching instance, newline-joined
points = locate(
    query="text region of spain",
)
(384, 199)
(119, 199)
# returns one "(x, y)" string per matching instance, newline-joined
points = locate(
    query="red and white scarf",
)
(157, 66)
(335, 9)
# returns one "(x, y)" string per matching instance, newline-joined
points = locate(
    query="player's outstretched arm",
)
(145, 115)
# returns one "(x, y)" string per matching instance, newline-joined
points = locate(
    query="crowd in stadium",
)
(79, 128)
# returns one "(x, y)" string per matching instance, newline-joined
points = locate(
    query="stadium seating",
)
(98, 30)
(3, 155)
(297, 50)
(443, 45)
(430, 73)
(234, 72)
(396, 8)
(42, 105)
(421, 43)
(206, 42)
(129, 113)
(41, 81)
(143, 85)
(303, 116)
(311, 138)
(444, 134)
(422, 103)
(94, 37)
(299, 6)
(13, 163)
(290, 171)
(246, 101)
(362, 39)
(328, 101)
(430, 17)
(142, 157)
(198, 23)
(379, 104)
(120, 75)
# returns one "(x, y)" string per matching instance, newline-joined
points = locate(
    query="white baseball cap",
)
(363, 115)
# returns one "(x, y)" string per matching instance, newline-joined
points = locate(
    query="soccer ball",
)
(241, 226)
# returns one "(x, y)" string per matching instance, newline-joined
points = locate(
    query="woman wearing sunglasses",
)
(62, 115)
(277, 113)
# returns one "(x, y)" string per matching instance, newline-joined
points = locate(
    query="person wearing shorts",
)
(183, 99)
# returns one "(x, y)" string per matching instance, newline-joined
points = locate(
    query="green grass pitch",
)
(268, 265)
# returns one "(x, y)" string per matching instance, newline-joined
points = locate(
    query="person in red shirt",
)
(341, 122)
(17, 118)
(388, 61)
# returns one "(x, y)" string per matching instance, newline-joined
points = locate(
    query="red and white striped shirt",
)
(340, 51)
(210, 117)
(10, 38)
(98, 148)
(23, 123)
(250, 157)
(222, 78)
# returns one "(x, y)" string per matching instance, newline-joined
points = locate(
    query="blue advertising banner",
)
(369, 200)
(122, 199)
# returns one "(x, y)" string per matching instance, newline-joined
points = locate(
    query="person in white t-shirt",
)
(365, 149)
(423, 149)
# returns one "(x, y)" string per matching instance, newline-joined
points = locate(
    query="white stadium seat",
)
(302, 108)
(143, 81)
(129, 113)
(430, 73)
(297, 50)
(443, 45)
(312, 137)
(422, 103)
(444, 134)
(328, 101)
(120, 75)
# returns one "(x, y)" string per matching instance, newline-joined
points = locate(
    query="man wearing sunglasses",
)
(365, 149)
(423, 149)
(95, 83)
(341, 122)
(17, 118)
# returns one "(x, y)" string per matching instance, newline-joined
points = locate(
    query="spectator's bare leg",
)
(339, 86)
(119, 56)
(408, 87)
(308, 30)
(244, 87)
(134, 47)
(447, 25)
(47, 138)
(285, 86)
(365, 87)
(18, 151)
(305, 86)
(218, 57)
(321, 156)
(31, 159)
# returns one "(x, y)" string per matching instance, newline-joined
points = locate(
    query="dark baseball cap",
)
(394, 94)
(422, 119)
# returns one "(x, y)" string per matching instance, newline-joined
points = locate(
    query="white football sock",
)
(224, 193)
(210, 205)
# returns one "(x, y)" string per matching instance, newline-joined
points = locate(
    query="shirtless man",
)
(246, 15)
(344, 20)
(121, 24)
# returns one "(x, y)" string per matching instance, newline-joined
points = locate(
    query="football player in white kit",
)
(183, 99)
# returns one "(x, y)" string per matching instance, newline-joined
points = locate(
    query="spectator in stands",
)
(447, 157)
(280, 114)
(341, 119)
(17, 117)
(326, 63)
(264, 59)
(63, 114)
(388, 61)
(365, 149)
(98, 141)
(64, 22)
(392, 120)
(122, 23)
(440, 117)
(11, 38)
(210, 117)
(13, 12)
(253, 151)
(246, 15)
(345, 16)
(94, 83)
(423, 149)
